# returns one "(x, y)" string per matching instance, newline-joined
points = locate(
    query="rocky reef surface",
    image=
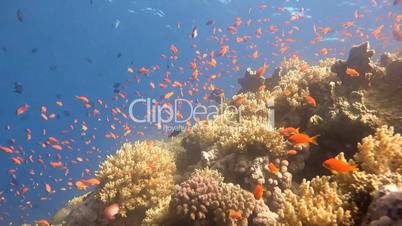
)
(237, 170)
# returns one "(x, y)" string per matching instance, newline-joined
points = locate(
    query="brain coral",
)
(205, 197)
(138, 175)
(381, 153)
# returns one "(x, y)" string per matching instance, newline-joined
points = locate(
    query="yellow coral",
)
(138, 175)
(157, 215)
(381, 153)
(238, 130)
(318, 203)
(74, 202)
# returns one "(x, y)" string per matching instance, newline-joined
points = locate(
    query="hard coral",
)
(317, 202)
(138, 175)
(204, 197)
(381, 153)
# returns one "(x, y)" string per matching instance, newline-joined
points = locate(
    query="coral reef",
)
(237, 169)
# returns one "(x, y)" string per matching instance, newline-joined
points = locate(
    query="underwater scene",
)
(201, 112)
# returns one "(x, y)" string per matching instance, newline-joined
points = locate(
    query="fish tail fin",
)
(297, 130)
(314, 139)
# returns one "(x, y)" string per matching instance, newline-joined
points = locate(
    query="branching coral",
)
(318, 202)
(157, 215)
(138, 175)
(381, 153)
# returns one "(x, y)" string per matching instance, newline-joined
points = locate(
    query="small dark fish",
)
(58, 96)
(20, 16)
(117, 91)
(34, 50)
(118, 55)
(216, 95)
(91, 2)
(18, 88)
(4, 48)
(194, 32)
(53, 67)
(175, 133)
(209, 22)
(66, 113)
(89, 60)
(116, 85)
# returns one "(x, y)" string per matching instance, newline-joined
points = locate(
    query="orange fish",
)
(301, 138)
(174, 49)
(83, 184)
(258, 191)
(168, 95)
(143, 70)
(289, 131)
(82, 98)
(48, 188)
(235, 214)
(56, 164)
(377, 32)
(324, 51)
(42, 223)
(6, 149)
(57, 147)
(17, 160)
(262, 70)
(338, 166)
(130, 70)
(292, 152)
(396, 28)
(22, 109)
(352, 72)
(310, 100)
(272, 168)
(212, 62)
(255, 54)
(224, 50)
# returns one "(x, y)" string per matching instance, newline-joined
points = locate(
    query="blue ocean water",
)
(56, 50)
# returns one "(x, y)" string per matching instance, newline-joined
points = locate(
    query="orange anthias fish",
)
(310, 100)
(235, 214)
(83, 184)
(21, 109)
(352, 72)
(82, 98)
(6, 149)
(224, 50)
(258, 191)
(168, 95)
(143, 70)
(289, 131)
(337, 166)
(261, 71)
(42, 223)
(301, 138)
(272, 168)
